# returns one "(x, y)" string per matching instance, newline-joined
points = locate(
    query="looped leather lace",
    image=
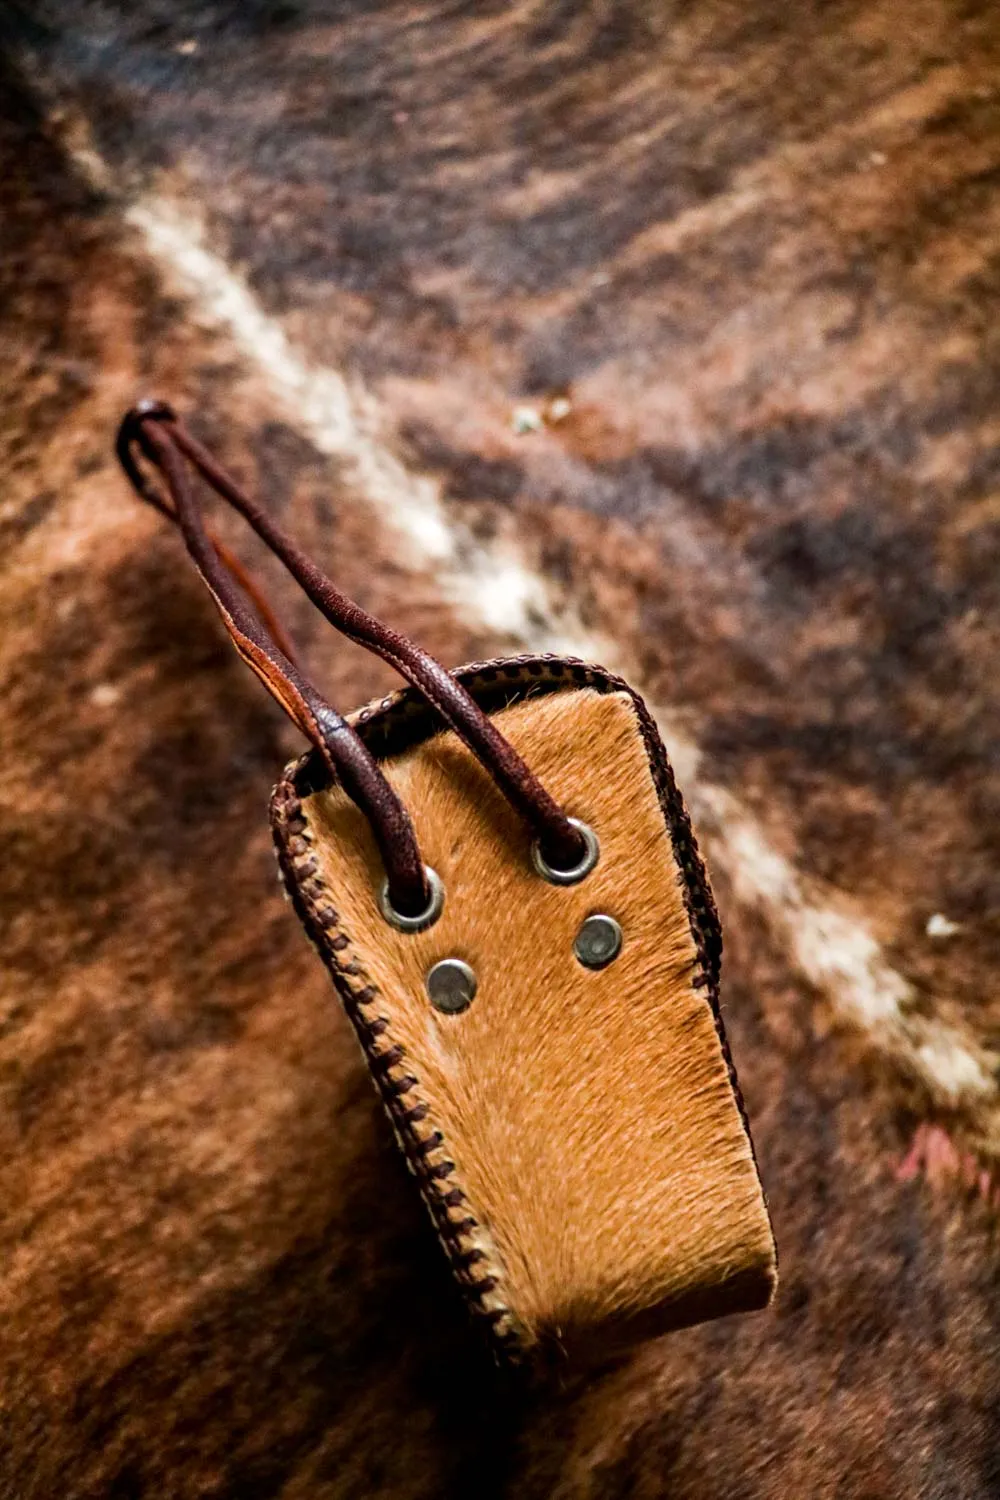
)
(154, 430)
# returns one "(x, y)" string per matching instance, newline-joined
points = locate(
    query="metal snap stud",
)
(424, 918)
(591, 854)
(599, 941)
(452, 985)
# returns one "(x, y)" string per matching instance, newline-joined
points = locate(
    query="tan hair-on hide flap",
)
(576, 1133)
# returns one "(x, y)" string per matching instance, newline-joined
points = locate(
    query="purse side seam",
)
(422, 1141)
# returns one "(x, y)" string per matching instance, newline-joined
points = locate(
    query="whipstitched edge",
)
(473, 1260)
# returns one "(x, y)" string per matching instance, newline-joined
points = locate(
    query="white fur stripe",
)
(492, 588)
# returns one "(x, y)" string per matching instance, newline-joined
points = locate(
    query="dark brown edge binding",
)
(389, 726)
(472, 1258)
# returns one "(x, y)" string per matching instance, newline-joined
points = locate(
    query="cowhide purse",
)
(497, 868)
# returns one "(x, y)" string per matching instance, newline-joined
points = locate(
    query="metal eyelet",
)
(422, 919)
(152, 406)
(599, 941)
(451, 985)
(578, 872)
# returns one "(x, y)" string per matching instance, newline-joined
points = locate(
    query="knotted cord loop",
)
(165, 442)
(151, 429)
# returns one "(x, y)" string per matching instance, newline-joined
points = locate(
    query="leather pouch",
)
(496, 867)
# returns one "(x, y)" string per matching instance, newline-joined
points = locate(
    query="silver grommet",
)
(599, 941)
(452, 985)
(591, 855)
(422, 919)
(152, 406)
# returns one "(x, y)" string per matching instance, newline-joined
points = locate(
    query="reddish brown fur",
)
(775, 494)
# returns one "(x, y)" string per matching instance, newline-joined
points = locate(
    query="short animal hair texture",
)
(578, 1134)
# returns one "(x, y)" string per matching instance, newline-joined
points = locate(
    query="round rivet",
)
(599, 941)
(425, 918)
(452, 985)
(591, 854)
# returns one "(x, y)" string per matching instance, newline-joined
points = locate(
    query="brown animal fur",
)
(775, 497)
(575, 1133)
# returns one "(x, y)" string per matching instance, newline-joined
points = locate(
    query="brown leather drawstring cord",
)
(342, 749)
(127, 434)
(559, 840)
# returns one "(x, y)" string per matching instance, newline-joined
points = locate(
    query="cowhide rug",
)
(667, 334)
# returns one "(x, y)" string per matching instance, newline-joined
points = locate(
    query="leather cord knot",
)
(153, 430)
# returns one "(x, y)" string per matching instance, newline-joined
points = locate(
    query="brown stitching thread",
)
(293, 840)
